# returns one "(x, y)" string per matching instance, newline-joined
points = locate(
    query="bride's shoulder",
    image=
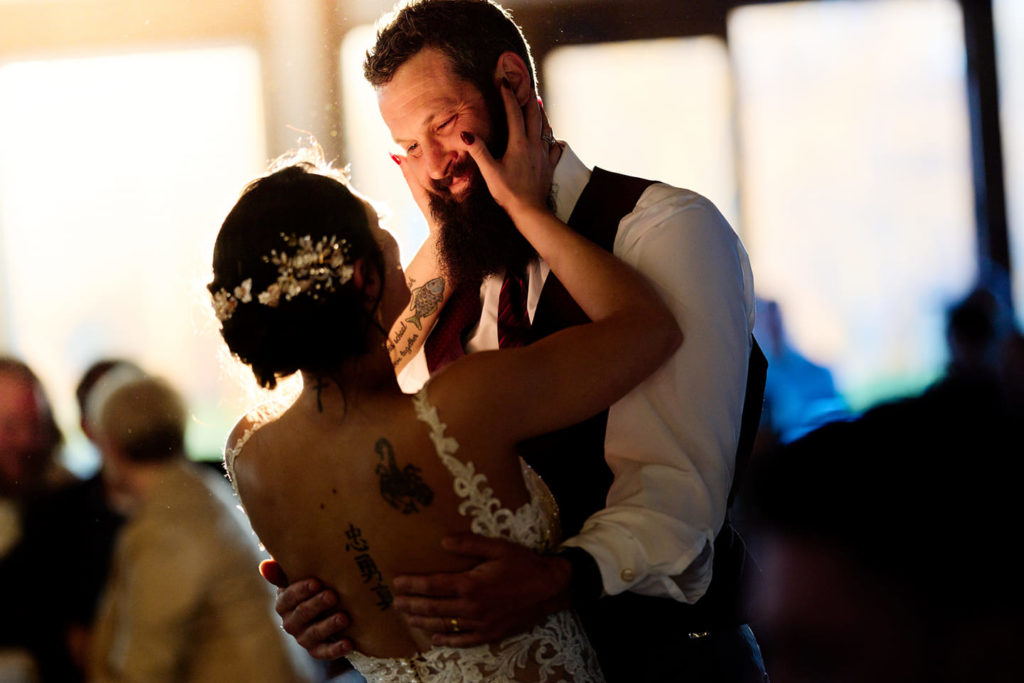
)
(250, 423)
(467, 393)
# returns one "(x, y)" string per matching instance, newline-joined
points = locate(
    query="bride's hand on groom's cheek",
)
(309, 613)
(420, 194)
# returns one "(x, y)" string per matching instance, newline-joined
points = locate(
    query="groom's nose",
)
(439, 159)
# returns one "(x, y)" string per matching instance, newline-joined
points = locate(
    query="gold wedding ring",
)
(455, 625)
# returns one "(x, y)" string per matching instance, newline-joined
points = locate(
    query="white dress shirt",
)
(671, 442)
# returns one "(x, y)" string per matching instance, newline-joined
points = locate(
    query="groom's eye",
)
(446, 122)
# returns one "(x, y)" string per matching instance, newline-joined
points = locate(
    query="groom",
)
(650, 561)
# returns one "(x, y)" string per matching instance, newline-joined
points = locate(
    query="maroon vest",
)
(571, 460)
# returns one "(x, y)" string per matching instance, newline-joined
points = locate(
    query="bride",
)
(356, 482)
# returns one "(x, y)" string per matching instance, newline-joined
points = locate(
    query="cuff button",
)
(627, 575)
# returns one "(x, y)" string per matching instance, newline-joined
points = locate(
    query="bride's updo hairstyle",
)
(271, 321)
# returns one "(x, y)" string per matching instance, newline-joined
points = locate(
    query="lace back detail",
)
(553, 650)
(487, 516)
(230, 454)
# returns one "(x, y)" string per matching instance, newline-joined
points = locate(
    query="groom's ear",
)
(511, 67)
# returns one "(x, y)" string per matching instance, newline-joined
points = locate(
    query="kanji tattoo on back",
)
(355, 542)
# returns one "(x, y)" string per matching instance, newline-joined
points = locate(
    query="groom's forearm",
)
(429, 290)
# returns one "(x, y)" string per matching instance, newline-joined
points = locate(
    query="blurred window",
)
(1009, 29)
(115, 174)
(857, 200)
(368, 145)
(658, 109)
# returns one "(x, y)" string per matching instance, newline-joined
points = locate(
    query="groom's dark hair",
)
(471, 33)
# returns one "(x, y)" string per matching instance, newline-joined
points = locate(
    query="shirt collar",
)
(571, 176)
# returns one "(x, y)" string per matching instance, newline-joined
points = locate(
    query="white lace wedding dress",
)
(554, 650)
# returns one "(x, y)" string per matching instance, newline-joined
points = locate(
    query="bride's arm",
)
(577, 372)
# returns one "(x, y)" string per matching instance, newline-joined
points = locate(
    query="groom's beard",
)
(477, 238)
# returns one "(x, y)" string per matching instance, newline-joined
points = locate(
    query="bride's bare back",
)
(358, 496)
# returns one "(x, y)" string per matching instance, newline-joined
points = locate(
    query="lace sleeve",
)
(231, 452)
(249, 424)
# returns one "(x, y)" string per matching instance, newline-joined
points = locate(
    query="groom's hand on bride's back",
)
(309, 613)
(510, 589)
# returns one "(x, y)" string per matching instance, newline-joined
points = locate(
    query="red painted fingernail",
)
(395, 158)
(468, 137)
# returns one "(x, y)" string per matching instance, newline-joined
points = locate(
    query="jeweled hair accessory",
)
(309, 269)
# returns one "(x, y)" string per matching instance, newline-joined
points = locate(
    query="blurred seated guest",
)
(799, 395)
(77, 527)
(106, 374)
(888, 546)
(29, 471)
(184, 602)
(973, 333)
(29, 443)
(986, 355)
(17, 666)
(980, 338)
(68, 531)
(1012, 367)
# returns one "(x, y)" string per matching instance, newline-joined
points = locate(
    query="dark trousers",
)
(639, 638)
(724, 655)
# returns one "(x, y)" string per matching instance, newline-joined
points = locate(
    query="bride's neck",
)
(370, 373)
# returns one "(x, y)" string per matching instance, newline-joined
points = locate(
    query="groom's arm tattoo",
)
(424, 302)
(396, 345)
(399, 333)
(408, 345)
(397, 353)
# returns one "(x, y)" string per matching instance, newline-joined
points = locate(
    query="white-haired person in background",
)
(183, 602)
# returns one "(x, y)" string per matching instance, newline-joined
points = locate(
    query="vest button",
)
(627, 575)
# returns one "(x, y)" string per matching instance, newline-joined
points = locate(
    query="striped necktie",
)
(513, 319)
(457, 318)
